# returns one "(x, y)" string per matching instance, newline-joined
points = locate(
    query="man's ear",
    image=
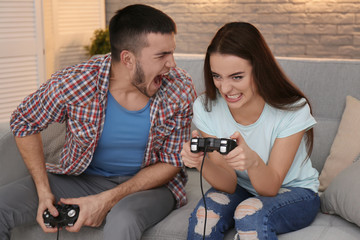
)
(128, 59)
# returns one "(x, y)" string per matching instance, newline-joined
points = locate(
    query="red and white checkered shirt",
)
(77, 95)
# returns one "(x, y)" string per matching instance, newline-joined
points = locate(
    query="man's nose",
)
(170, 63)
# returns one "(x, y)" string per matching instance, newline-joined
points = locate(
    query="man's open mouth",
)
(158, 80)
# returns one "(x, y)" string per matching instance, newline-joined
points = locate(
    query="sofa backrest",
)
(326, 82)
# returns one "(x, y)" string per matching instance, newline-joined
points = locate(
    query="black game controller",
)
(68, 214)
(222, 145)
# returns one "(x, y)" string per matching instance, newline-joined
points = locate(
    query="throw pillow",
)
(342, 196)
(346, 145)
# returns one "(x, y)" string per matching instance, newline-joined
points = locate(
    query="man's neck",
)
(124, 92)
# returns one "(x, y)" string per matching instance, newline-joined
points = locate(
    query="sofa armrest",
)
(12, 166)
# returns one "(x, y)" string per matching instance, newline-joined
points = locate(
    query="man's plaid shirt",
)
(77, 95)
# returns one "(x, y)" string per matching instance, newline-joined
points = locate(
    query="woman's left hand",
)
(242, 157)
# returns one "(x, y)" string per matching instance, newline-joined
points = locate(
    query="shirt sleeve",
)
(39, 109)
(183, 93)
(201, 115)
(296, 121)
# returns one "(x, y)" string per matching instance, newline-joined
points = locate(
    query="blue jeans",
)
(254, 217)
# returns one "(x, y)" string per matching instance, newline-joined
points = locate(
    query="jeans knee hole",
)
(219, 198)
(283, 190)
(248, 207)
(248, 235)
(211, 220)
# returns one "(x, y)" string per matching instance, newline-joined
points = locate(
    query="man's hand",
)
(46, 201)
(93, 210)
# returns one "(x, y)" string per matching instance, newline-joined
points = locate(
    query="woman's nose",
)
(225, 87)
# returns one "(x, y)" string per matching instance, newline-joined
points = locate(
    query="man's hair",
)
(129, 27)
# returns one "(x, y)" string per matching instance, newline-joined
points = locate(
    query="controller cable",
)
(202, 190)
(58, 233)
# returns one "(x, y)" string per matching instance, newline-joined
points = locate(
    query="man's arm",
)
(94, 208)
(147, 178)
(31, 150)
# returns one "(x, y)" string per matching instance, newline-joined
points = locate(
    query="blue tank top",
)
(121, 147)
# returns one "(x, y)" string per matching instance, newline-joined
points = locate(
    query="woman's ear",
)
(128, 59)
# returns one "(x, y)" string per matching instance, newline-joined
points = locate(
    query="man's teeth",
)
(233, 96)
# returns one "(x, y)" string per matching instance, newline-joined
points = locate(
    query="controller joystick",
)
(68, 214)
(222, 145)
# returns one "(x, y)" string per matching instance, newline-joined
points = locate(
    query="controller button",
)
(72, 213)
(223, 149)
(223, 142)
(193, 148)
(194, 140)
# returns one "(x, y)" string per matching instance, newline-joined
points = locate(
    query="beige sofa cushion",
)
(343, 194)
(346, 146)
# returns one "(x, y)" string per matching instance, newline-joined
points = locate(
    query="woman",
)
(266, 185)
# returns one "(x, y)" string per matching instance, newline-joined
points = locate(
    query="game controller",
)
(222, 145)
(68, 214)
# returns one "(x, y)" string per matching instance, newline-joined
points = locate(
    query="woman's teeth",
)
(233, 96)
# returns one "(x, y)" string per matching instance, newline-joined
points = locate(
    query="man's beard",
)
(139, 80)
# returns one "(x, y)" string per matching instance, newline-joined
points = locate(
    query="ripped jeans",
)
(254, 217)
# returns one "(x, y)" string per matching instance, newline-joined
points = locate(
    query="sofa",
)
(327, 83)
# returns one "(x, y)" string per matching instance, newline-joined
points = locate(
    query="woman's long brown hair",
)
(243, 40)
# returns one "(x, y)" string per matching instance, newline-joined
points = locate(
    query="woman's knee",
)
(198, 219)
(247, 220)
(214, 216)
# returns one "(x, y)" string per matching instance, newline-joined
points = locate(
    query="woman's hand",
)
(190, 159)
(242, 157)
(215, 170)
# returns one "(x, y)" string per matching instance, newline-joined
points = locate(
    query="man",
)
(127, 115)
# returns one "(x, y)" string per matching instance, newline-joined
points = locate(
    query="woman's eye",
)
(215, 76)
(238, 77)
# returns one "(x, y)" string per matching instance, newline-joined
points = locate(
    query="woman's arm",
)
(215, 169)
(265, 178)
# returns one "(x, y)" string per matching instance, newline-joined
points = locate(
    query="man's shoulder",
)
(180, 79)
(93, 65)
(179, 75)
(178, 84)
(83, 78)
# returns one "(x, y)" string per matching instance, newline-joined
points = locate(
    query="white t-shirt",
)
(260, 137)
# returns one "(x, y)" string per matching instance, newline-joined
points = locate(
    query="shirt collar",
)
(104, 74)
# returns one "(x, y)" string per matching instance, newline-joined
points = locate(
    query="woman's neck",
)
(249, 113)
